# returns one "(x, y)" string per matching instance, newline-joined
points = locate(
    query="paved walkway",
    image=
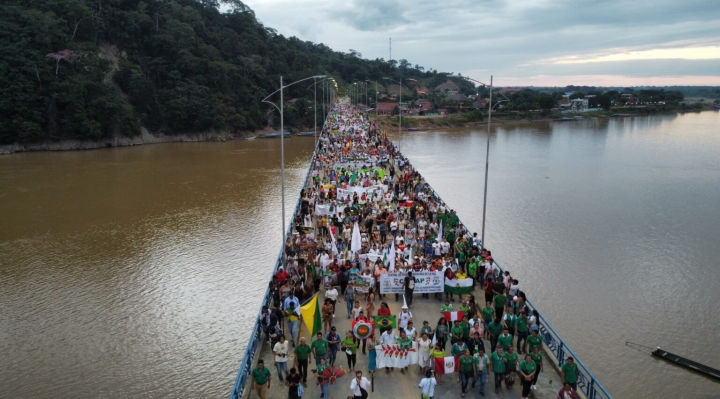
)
(395, 384)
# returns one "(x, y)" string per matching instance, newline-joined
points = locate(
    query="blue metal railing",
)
(587, 383)
(255, 343)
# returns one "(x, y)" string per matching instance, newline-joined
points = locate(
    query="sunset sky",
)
(540, 42)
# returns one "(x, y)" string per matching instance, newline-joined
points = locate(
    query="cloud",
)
(372, 15)
(527, 40)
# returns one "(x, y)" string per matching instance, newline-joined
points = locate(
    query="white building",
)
(579, 105)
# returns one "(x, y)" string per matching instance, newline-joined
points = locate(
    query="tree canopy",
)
(91, 69)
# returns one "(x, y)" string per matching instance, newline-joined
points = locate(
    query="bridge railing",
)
(587, 383)
(255, 341)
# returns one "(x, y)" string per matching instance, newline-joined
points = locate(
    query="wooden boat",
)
(305, 134)
(687, 363)
(273, 135)
(251, 137)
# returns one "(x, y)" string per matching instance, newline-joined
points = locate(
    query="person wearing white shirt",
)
(404, 317)
(436, 249)
(445, 246)
(280, 350)
(388, 338)
(427, 385)
(358, 385)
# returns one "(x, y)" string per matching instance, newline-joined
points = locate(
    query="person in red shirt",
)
(281, 275)
(384, 309)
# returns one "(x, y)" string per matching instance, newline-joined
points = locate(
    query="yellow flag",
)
(311, 315)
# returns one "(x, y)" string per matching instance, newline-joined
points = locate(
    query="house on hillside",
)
(480, 104)
(449, 85)
(423, 104)
(458, 99)
(385, 109)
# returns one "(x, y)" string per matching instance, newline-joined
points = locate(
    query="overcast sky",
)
(520, 42)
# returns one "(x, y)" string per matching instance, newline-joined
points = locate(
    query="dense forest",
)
(92, 69)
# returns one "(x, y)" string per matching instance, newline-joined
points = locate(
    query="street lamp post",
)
(282, 147)
(399, 110)
(487, 151)
(314, 89)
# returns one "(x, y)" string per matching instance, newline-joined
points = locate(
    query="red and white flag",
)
(452, 316)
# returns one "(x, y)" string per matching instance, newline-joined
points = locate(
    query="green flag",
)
(382, 322)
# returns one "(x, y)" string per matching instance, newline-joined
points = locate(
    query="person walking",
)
(333, 339)
(327, 311)
(319, 348)
(437, 354)
(409, 286)
(527, 370)
(427, 386)
(424, 345)
(280, 351)
(324, 388)
(302, 353)
(497, 365)
(372, 355)
(569, 372)
(387, 338)
(442, 332)
(537, 357)
(332, 294)
(349, 345)
(293, 382)
(467, 370)
(260, 379)
(349, 300)
(359, 386)
(481, 367)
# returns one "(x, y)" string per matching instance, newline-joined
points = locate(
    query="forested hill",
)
(92, 69)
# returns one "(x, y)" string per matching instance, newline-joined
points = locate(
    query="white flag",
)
(440, 232)
(355, 244)
(392, 256)
(332, 238)
(449, 365)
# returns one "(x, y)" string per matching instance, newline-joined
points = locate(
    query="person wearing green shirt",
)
(511, 362)
(521, 325)
(510, 321)
(426, 329)
(569, 372)
(497, 364)
(349, 345)
(319, 348)
(464, 308)
(302, 353)
(481, 362)
(505, 339)
(494, 329)
(447, 307)
(260, 379)
(487, 315)
(499, 300)
(458, 348)
(465, 326)
(456, 332)
(441, 332)
(472, 270)
(537, 357)
(467, 370)
(533, 341)
(324, 388)
(527, 370)
(404, 342)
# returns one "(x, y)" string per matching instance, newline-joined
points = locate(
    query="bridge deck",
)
(395, 384)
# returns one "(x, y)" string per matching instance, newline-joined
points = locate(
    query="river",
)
(136, 272)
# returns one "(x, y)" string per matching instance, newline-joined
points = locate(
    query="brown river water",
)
(137, 272)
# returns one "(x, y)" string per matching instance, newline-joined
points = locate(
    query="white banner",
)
(393, 356)
(328, 210)
(449, 365)
(425, 283)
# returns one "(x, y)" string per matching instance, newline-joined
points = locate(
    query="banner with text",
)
(425, 282)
